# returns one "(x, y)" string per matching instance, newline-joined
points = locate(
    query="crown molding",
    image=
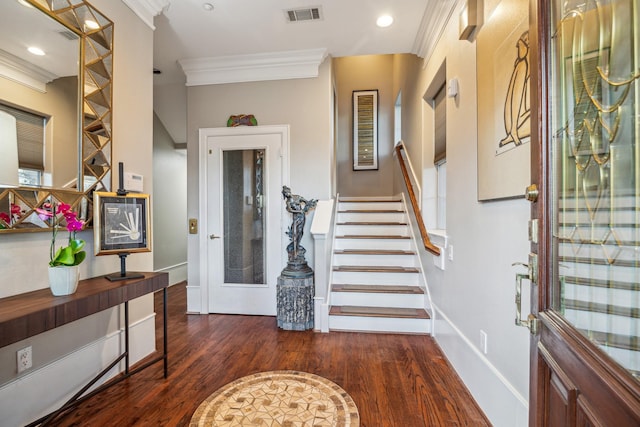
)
(23, 72)
(147, 9)
(435, 18)
(297, 64)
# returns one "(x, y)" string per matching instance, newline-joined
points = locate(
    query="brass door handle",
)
(532, 193)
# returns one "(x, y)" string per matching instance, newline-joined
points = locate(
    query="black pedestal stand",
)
(123, 255)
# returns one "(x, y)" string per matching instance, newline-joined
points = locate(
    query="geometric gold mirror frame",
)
(95, 82)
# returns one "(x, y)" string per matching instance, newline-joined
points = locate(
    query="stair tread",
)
(371, 223)
(391, 289)
(376, 268)
(390, 312)
(372, 252)
(371, 211)
(370, 236)
(347, 200)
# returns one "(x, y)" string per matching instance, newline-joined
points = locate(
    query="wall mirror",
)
(68, 91)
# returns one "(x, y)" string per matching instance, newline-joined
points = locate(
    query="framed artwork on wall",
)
(365, 129)
(504, 126)
(121, 223)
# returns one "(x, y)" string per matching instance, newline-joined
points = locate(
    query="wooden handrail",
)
(414, 203)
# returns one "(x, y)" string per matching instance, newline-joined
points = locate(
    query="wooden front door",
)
(585, 354)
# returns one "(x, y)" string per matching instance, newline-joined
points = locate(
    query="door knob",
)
(531, 193)
(213, 236)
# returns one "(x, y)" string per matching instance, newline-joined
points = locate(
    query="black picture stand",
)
(123, 255)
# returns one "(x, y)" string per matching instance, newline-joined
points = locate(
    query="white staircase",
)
(376, 283)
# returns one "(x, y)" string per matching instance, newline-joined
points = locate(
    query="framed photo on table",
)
(121, 223)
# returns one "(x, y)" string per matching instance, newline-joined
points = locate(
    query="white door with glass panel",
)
(244, 217)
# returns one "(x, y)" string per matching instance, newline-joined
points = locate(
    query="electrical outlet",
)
(483, 341)
(24, 359)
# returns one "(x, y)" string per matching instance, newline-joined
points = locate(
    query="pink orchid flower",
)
(5, 217)
(44, 214)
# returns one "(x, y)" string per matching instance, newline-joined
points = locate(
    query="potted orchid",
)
(64, 261)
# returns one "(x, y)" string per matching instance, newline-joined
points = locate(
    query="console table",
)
(25, 315)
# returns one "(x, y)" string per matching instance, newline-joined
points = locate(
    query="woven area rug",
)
(278, 399)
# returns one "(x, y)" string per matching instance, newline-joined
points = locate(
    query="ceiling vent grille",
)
(306, 14)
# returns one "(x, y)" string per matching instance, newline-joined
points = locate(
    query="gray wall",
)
(67, 356)
(170, 225)
(304, 104)
(475, 291)
(365, 73)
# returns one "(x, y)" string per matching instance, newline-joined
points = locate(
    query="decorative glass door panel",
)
(244, 219)
(595, 123)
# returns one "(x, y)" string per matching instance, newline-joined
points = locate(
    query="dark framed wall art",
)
(365, 130)
(121, 223)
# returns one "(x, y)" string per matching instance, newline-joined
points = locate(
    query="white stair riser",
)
(371, 217)
(380, 324)
(375, 260)
(617, 297)
(372, 230)
(363, 206)
(600, 272)
(375, 278)
(604, 252)
(603, 322)
(373, 244)
(363, 299)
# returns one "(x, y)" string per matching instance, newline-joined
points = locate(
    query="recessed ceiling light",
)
(384, 21)
(207, 6)
(36, 50)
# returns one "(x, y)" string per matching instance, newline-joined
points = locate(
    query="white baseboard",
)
(194, 301)
(177, 273)
(498, 399)
(46, 389)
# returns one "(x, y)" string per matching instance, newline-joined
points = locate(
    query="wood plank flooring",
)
(395, 380)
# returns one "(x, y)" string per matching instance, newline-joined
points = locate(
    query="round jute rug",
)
(278, 399)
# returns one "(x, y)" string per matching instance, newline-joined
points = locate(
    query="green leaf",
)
(64, 256)
(76, 245)
(80, 256)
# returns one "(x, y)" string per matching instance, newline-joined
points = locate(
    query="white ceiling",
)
(185, 30)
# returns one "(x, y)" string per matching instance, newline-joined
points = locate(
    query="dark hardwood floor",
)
(395, 380)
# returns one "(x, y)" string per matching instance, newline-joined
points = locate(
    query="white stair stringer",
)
(377, 283)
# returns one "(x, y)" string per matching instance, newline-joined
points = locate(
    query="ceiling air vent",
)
(307, 14)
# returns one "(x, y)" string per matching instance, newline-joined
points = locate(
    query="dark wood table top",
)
(25, 315)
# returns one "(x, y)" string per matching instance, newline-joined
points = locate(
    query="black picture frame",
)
(365, 129)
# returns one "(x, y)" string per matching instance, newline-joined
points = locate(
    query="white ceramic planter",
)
(63, 280)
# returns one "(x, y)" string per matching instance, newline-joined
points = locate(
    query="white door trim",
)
(203, 241)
